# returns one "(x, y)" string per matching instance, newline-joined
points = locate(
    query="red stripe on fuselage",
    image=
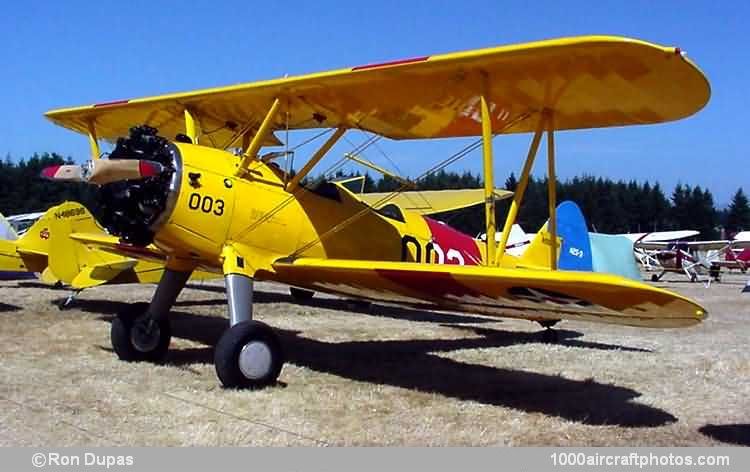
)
(450, 239)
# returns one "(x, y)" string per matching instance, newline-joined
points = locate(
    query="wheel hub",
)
(145, 335)
(255, 360)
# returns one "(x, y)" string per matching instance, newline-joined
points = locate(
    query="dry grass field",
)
(378, 376)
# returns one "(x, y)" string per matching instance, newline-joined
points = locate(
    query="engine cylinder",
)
(135, 209)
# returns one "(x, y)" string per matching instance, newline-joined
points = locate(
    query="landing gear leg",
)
(249, 353)
(142, 332)
(549, 335)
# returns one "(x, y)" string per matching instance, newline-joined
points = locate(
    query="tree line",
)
(609, 206)
(23, 191)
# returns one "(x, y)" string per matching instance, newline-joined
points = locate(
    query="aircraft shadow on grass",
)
(4, 307)
(414, 364)
(738, 434)
(37, 284)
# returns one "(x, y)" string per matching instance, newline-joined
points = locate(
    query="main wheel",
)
(248, 355)
(654, 278)
(137, 337)
(300, 294)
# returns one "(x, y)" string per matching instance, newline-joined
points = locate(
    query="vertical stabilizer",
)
(574, 246)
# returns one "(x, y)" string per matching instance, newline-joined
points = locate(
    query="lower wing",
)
(518, 293)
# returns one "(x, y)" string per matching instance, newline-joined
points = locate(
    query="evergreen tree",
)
(701, 214)
(511, 183)
(738, 215)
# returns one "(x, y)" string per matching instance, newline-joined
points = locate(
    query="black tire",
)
(231, 345)
(124, 338)
(300, 294)
(654, 278)
(693, 277)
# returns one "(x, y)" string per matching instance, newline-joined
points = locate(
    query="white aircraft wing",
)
(6, 230)
(660, 236)
(714, 245)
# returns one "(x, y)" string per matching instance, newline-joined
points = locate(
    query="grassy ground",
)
(383, 376)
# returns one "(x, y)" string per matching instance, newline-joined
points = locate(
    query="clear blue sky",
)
(68, 53)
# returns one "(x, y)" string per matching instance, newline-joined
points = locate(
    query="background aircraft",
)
(647, 257)
(21, 223)
(47, 249)
(692, 258)
(7, 232)
(207, 208)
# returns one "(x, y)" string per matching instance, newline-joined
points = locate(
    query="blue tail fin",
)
(575, 253)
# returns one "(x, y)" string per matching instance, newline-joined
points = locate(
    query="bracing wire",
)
(466, 150)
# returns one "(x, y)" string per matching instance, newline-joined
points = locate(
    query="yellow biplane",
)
(206, 207)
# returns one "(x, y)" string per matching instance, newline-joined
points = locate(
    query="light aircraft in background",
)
(692, 258)
(7, 231)
(184, 191)
(22, 222)
(518, 240)
(647, 257)
(47, 249)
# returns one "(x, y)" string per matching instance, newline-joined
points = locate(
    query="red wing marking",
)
(112, 103)
(391, 63)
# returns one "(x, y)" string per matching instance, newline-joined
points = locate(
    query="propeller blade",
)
(104, 171)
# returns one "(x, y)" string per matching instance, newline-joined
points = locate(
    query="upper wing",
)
(589, 82)
(428, 202)
(530, 294)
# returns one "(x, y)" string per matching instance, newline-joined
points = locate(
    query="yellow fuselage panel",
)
(257, 212)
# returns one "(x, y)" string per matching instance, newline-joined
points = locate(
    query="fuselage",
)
(211, 208)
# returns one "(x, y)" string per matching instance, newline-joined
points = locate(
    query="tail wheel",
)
(248, 355)
(137, 337)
